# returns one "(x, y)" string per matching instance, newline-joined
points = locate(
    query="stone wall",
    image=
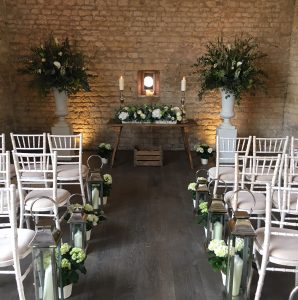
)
(291, 106)
(120, 37)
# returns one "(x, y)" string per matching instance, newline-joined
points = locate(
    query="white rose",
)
(200, 149)
(239, 63)
(179, 118)
(60, 53)
(156, 113)
(123, 115)
(143, 116)
(108, 147)
(178, 113)
(57, 64)
(139, 112)
(209, 150)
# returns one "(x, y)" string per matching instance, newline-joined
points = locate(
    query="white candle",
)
(95, 198)
(78, 241)
(121, 83)
(183, 84)
(238, 266)
(217, 231)
(48, 288)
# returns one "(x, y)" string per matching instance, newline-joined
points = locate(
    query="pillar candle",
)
(183, 84)
(121, 83)
(217, 231)
(238, 266)
(95, 198)
(48, 288)
(78, 239)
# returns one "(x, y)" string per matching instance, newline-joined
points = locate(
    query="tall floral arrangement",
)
(233, 67)
(56, 65)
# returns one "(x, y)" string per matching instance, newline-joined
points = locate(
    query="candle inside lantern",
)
(183, 84)
(95, 197)
(217, 231)
(121, 83)
(149, 92)
(237, 275)
(78, 242)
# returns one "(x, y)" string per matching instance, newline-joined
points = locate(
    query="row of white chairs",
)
(40, 176)
(264, 179)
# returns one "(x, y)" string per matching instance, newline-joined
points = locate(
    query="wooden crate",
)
(148, 157)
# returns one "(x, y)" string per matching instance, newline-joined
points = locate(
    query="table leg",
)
(184, 132)
(118, 131)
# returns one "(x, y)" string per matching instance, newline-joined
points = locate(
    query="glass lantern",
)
(44, 246)
(217, 215)
(202, 192)
(240, 255)
(77, 223)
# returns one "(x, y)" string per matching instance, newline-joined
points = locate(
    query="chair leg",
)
(82, 190)
(19, 281)
(262, 274)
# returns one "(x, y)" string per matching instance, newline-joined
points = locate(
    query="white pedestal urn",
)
(62, 126)
(226, 129)
(67, 290)
(88, 234)
(105, 200)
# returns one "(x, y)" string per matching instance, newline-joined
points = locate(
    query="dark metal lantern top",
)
(240, 225)
(217, 207)
(45, 237)
(77, 217)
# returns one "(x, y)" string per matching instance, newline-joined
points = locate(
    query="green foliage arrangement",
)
(56, 65)
(204, 150)
(104, 150)
(231, 67)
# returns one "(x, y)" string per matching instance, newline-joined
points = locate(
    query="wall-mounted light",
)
(148, 83)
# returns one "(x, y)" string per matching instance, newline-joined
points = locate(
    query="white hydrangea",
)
(143, 116)
(239, 244)
(156, 113)
(107, 178)
(57, 64)
(215, 244)
(200, 149)
(192, 186)
(179, 118)
(123, 115)
(60, 53)
(209, 150)
(221, 250)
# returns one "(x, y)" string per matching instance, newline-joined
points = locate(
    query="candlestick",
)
(121, 98)
(183, 84)
(217, 231)
(121, 83)
(183, 113)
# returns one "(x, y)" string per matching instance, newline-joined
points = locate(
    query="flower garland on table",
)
(149, 113)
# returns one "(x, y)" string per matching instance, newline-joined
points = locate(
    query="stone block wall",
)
(291, 105)
(120, 37)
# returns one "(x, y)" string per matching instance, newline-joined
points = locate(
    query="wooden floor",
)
(150, 248)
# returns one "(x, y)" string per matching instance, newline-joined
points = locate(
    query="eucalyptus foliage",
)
(231, 67)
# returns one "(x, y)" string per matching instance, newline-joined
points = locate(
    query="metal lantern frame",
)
(46, 259)
(95, 181)
(238, 286)
(202, 190)
(77, 226)
(217, 212)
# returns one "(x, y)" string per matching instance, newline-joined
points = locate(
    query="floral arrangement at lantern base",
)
(204, 151)
(107, 187)
(72, 262)
(104, 150)
(149, 113)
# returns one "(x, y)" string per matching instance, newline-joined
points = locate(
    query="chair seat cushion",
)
(44, 204)
(70, 172)
(266, 177)
(246, 201)
(293, 201)
(6, 252)
(226, 174)
(282, 249)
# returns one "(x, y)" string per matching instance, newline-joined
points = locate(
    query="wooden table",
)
(184, 127)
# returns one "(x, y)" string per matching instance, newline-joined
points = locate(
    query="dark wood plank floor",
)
(150, 248)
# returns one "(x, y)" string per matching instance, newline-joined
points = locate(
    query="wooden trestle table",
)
(184, 127)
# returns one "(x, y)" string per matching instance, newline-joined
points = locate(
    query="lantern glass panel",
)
(78, 231)
(45, 273)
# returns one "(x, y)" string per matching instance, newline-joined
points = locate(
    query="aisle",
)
(150, 247)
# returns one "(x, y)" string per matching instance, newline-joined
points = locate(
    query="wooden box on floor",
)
(149, 157)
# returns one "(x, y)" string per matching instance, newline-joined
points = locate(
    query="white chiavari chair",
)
(14, 241)
(41, 185)
(70, 169)
(277, 242)
(29, 143)
(225, 158)
(294, 146)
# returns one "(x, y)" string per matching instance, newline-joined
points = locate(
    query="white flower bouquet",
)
(204, 150)
(107, 184)
(149, 113)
